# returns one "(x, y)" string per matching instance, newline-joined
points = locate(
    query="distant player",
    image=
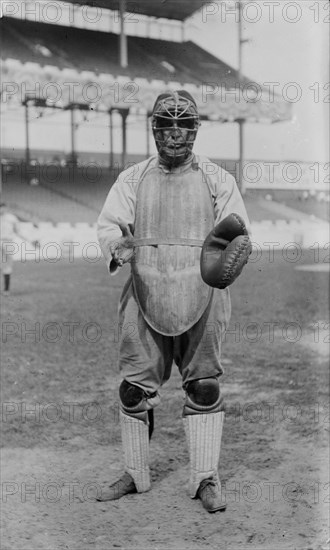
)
(163, 215)
(10, 228)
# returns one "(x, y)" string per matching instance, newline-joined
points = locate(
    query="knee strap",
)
(203, 396)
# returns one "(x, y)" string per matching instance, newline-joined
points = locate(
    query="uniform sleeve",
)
(118, 207)
(227, 198)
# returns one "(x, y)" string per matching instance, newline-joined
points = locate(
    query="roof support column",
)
(148, 133)
(27, 141)
(240, 121)
(124, 115)
(123, 38)
(73, 153)
(111, 138)
(183, 31)
(73, 156)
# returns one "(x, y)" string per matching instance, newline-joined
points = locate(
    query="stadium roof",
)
(167, 9)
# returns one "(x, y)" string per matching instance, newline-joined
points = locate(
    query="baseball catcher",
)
(180, 221)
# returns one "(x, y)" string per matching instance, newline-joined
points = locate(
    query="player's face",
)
(174, 136)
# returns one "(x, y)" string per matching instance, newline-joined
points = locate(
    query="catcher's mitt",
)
(225, 251)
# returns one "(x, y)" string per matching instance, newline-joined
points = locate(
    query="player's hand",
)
(123, 249)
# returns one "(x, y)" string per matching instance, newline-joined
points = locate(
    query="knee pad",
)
(203, 396)
(135, 401)
(130, 395)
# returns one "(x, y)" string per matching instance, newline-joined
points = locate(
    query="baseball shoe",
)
(209, 492)
(124, 486)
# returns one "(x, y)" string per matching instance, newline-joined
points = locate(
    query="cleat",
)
(124, 486)
(209, 492)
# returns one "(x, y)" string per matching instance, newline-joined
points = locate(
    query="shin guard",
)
(135, 439)
(203, 433)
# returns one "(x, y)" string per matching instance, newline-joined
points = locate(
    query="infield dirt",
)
(61, 437)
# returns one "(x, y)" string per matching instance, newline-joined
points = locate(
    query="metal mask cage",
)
(175, 112)
(175, 122)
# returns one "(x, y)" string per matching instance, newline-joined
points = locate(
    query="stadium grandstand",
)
(49, 69)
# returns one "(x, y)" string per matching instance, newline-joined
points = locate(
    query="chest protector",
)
(174, 214)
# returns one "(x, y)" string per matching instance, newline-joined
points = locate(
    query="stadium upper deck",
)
(86, 50)
(37, 54)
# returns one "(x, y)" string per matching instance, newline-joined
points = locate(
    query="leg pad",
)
(203, 433)
(135, 438)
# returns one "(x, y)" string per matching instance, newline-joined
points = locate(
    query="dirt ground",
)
(274, 460)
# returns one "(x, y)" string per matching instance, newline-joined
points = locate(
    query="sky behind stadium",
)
(288, 43)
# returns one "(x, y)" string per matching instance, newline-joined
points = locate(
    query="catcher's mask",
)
(175, 122)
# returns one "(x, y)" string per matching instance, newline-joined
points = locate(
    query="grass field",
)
(59, 360)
